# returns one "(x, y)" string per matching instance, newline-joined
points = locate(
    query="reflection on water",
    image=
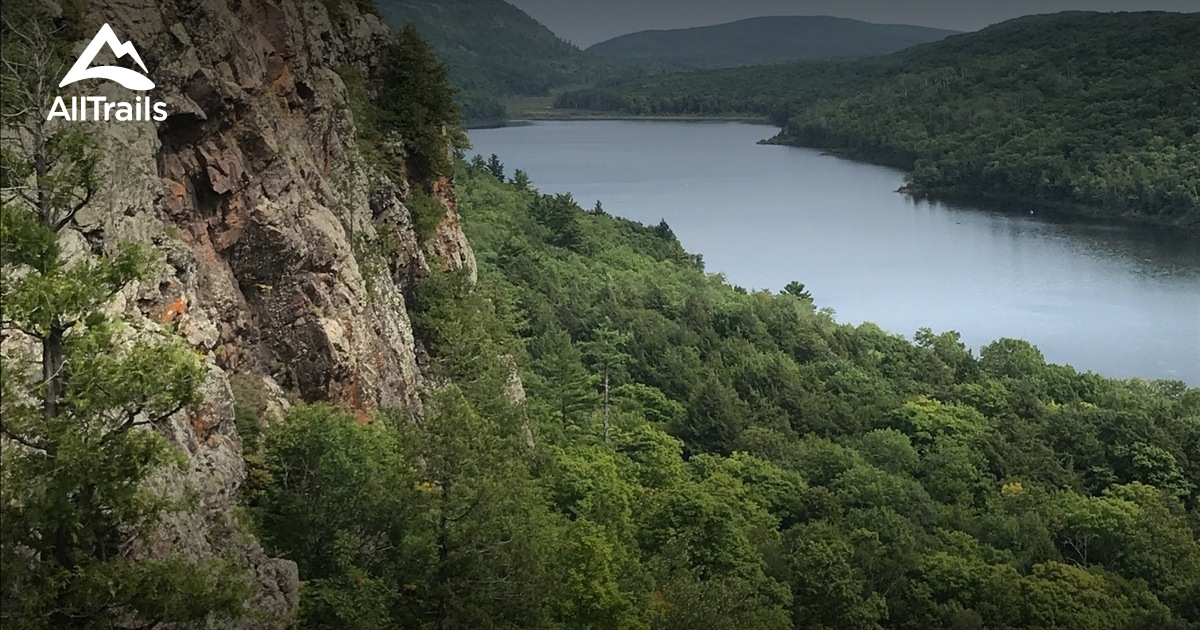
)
(1154, 252)
(1117, 300)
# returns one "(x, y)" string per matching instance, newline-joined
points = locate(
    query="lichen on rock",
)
(253, 192)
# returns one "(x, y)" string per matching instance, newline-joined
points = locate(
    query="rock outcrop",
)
(255, 193)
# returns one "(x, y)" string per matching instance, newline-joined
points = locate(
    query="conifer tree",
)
(81, 396)
(418, 102)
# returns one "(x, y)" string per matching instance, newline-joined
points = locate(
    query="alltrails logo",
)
(143, 108)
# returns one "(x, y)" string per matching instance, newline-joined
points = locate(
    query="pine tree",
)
(81, 396)
(418, 103)
(520, 180)
(496, 167)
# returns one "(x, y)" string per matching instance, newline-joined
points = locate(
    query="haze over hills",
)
(278, 362)
(1096, 111)
(766, 40)
(586, 23)
(492, 50)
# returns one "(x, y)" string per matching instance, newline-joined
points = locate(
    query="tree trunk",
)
(53, 357)
(606, 423)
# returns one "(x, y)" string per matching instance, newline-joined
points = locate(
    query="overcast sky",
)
(585, 22)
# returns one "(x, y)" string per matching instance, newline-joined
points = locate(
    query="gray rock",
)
(255, 196)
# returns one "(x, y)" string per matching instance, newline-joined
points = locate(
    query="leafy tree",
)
(560, 215)
(888, 449)
(1131, 530)
(562, 380)
(1065, 596)
(1012, 358)
(481, 517)
(605, 352)
(829, 590)
(342, 515)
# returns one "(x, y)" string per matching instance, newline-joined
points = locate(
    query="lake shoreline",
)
(529, 118)
(998, 202)
(1101, 295)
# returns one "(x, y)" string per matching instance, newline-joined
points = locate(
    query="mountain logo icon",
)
(126, 77)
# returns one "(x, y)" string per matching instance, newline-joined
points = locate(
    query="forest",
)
(688, 454)
(764, 40)
(613, 438)
(1093, 113)
(494, 51)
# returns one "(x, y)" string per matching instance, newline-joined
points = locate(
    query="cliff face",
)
(255, 193)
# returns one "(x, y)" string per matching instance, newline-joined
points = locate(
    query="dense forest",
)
(1094, 111)
(681, 453)
(612, 438)
(765, 40)
(686, 454)
(495, 52)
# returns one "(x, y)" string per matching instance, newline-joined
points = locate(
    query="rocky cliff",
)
(255, 193)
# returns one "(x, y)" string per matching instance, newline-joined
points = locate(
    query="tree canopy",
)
(754, 464)
(1095, 113)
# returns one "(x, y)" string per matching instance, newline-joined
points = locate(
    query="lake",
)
(1120, 301)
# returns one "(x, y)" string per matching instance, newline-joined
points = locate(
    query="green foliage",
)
(427, 214)
(947, 490)
(695, 455)
(394, 523)
(830, 590)
(797, 289)
(1087, 112)
(560, 215)
(407, 98)
(773, 91)
(690, 454)
(417, 102)
(493, 50)
(496, 167)
(84, 398)
(367, 118)
(1079, 109)
(407, 128)
(343, 499)
(520, 180)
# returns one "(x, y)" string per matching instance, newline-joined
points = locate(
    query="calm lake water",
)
(1119, 301)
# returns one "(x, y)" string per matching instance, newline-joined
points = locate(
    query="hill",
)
(279, 388)
(766, 40)
(1095, 113)
(492, 50)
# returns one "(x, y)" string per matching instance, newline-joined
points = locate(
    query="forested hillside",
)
(765, 40)
(686, 454)
(240, 391)
(1098, 112)
(492, 50)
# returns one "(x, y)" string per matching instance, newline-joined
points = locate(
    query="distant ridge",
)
(765, 40)
(492, 49)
